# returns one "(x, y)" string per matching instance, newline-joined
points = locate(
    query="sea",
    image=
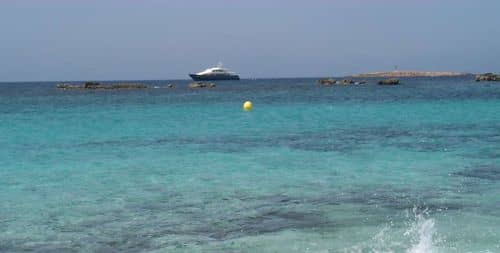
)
(412, 168)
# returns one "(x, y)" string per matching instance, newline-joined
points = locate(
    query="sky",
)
(64, 40)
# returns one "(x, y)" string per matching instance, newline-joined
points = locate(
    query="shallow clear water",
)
(411, 168)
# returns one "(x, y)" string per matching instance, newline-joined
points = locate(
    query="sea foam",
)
(419, 236)
(422, 233)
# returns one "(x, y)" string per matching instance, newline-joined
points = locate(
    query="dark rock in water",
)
(391, 81)
(127, 86)
(68, 86)
(327, 82)
(488, 77)
(196, 85)
(481, 172)
(347, 81)
(100, 86)
(91, 85)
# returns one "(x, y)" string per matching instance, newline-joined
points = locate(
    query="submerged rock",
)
(391, 81)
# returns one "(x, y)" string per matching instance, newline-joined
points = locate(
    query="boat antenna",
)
(219, 64)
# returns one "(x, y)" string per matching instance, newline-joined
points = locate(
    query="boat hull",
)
(196, 77)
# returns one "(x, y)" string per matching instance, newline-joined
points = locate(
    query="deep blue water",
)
(409, 168)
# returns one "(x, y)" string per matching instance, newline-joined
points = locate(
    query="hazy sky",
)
(125, 39)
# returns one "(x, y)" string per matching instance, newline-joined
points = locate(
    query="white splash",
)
(422, 236)
(419, 236)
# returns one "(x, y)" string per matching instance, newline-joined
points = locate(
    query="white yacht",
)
(215, 73)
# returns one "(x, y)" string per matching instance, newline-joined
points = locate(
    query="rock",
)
(391, 81)
(91, 85)
(488, 77)
(66, 86)
(347, 81)
(328, 81)
(195, 85)
(126, 86)
(99, 86)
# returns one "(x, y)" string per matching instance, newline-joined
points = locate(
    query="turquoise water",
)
(411, 168)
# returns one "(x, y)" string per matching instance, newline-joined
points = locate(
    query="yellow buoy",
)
(247, 106)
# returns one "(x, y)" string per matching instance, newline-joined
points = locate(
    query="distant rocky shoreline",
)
(394, 74)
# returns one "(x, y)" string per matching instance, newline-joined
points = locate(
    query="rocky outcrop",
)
(92, 85)
(391, 81)
(68, 86)
(488, 77)
(327, 82)
(347, 81)
(128, 86)
(100, 86)
(196, 85)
